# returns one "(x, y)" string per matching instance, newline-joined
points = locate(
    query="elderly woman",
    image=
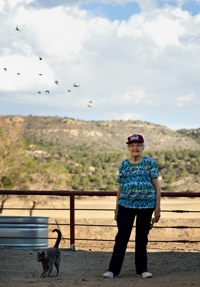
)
(138, 196)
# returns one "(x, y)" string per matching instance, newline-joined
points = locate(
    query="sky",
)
(128, 60)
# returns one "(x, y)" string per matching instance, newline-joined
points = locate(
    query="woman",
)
(138, 196)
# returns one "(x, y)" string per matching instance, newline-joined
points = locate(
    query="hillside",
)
(63, 153)
(193, 133)
(109, 134)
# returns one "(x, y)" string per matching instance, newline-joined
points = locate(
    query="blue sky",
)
(112, 11)
(192, 7)
(123, 11)
(131, 60)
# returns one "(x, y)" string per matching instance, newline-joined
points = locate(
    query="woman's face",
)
(135, 149)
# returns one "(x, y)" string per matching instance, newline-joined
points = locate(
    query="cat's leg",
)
(46, 272)
(50, 270)
(57, 265)
(43, 274)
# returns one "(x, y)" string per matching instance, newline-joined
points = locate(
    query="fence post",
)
(72, 222)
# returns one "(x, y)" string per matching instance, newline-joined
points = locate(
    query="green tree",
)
(12, 157)
(111, 187)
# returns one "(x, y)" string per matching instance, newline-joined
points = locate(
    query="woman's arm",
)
(158, 196)
(118, 195)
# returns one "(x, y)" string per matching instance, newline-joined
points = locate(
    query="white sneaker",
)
(108, 274)
(145, 275)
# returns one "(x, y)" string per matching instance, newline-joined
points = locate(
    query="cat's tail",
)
(58, 238)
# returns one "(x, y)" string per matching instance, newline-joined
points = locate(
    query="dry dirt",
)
(172, 263)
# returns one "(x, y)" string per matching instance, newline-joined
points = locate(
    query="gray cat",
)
(50, 257)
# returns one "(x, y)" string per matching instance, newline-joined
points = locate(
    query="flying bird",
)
(40, 74)
(69, 90)
(5, 69)
(76, 86)
(18, 74)
(90, 104)
(56, 82)
(40, 58)
(47, 91)
(17, 29)
(39, 92)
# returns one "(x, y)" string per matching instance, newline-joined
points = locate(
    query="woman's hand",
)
(158, 196)
(157, 214)
(118, 195)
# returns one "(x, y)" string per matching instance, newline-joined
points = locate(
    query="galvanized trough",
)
(24, 232)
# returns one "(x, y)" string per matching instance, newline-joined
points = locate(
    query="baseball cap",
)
(135, 138)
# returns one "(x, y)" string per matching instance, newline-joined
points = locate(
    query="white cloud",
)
(126, 68)
(185, 99)
(137, 95)
(124, 116)
(11, 4)
(29, 69)
(164, 30)
(146, 5)
(2, 3)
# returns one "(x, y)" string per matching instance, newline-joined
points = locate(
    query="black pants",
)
(125, 222)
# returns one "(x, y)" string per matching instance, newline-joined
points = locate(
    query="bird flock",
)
(56, 81)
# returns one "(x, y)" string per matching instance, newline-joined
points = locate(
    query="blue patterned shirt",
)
(137, 190)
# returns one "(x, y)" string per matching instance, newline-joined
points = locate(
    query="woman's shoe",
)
(108, 274)
(145, 275)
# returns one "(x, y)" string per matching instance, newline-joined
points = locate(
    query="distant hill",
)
(65, 153)
(109, 134)
(192, 133)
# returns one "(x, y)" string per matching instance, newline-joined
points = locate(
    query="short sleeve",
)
(120, 175)
(154, 169)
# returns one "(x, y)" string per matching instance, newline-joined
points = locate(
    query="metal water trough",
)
(24, 232)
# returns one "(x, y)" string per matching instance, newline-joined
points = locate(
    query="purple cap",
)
(135, 139)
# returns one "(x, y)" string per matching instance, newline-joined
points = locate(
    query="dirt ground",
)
(172, 263)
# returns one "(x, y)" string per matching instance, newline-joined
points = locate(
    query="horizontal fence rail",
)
(76, 193)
